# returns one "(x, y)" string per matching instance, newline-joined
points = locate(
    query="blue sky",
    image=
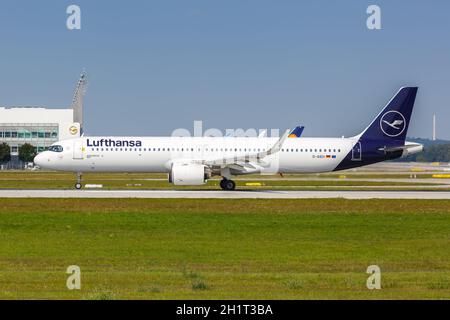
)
(159, 65)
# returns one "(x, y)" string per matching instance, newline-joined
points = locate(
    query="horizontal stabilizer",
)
(408, 148)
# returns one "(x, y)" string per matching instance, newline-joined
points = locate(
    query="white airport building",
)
(40, 127)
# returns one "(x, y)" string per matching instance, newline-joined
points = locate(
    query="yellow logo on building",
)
(73, 130)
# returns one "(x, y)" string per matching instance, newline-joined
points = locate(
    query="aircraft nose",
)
(40, 159)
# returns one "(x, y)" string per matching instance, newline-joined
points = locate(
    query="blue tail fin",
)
(391, 124)
(297, 132)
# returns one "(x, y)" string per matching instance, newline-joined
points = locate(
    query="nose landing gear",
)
(227, 184)
(78, 185)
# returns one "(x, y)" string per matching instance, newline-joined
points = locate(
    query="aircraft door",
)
(356, 151)
(78, 149)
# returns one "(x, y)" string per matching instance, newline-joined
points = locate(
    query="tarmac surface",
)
(218, 194)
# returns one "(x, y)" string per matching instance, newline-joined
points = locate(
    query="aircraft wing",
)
(246, 162)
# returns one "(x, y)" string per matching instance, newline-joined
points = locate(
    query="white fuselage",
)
(193, 160)
(157, 154)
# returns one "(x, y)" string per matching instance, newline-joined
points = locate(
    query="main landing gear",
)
(78, 185)
(227, 184)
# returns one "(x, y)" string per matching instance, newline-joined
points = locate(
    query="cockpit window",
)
(55, 148)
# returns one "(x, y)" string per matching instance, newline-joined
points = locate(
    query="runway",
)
(217, 194)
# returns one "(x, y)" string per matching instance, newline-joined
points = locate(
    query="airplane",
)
(192, 161)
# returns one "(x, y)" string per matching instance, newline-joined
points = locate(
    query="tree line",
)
(433, 153)
(27, 152)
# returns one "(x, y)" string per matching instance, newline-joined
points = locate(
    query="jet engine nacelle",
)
(188, 174)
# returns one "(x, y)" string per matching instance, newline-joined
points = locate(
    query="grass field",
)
(224, 249)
